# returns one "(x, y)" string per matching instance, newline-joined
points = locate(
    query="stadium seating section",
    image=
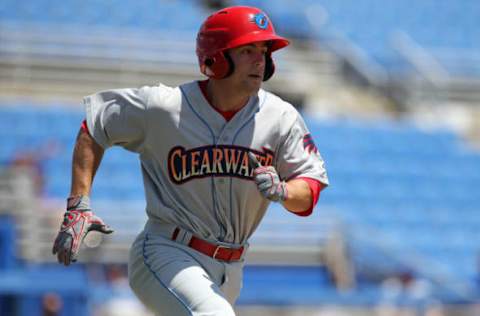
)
(150, 15)
(24, 289)
(433, 25)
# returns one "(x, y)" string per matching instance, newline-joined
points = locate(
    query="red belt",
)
(215, 251)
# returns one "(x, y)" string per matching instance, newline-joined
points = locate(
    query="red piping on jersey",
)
(226, 114)
(315, 188)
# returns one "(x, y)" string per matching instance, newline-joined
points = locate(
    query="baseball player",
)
(213, 154)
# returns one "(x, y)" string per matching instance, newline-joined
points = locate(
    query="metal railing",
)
(431, 79)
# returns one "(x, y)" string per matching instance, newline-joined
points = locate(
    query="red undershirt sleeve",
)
(85, 127)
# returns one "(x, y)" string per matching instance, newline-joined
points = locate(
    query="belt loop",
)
(175, 233)
(184, 237)
(181, 236)
(245, 246)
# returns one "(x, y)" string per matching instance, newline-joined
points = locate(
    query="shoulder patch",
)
(309, 144)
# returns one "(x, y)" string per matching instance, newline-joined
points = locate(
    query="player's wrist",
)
(78, 202)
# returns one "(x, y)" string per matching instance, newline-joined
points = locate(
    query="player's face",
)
(249, 61)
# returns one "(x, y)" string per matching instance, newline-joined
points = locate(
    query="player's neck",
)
(225, 97)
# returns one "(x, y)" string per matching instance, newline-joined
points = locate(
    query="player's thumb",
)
(97, 224)
(253, 161)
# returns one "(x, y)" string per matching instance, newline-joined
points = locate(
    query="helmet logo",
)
(261, 20)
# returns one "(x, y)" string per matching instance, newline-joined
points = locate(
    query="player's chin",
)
(253, 90)
(255, 82)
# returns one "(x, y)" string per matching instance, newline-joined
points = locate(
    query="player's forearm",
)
(87, 156)
(299, 196)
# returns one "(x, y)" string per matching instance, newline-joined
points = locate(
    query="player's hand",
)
(268, 181)
(77, 223)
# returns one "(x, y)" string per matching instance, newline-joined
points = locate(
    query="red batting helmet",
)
(229, 28)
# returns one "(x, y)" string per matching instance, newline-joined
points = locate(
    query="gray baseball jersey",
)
(195, 163)
(197, 176)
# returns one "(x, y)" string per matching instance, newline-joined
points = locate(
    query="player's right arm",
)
(79, 219)
(113, 117)
(87, 156)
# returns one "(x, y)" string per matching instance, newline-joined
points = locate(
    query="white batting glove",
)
(78, 221)
(268, 181)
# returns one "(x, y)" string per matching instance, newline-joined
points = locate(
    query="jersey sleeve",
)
(298, 156)
(117, 117)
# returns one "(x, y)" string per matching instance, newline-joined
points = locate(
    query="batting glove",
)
(268, 181)
(78, 221)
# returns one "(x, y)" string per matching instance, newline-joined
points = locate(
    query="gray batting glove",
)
(78, 221)
(268, 181)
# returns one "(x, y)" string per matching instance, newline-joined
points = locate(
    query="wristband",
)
(78, 202)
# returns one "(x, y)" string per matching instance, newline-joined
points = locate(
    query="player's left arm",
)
(299, 173)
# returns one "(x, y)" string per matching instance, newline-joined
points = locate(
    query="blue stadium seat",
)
(271, 285)
(25, 288)
(7, 243)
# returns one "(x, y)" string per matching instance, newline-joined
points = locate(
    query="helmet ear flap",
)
(269, 67)
(221, 66)
(218, 66)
